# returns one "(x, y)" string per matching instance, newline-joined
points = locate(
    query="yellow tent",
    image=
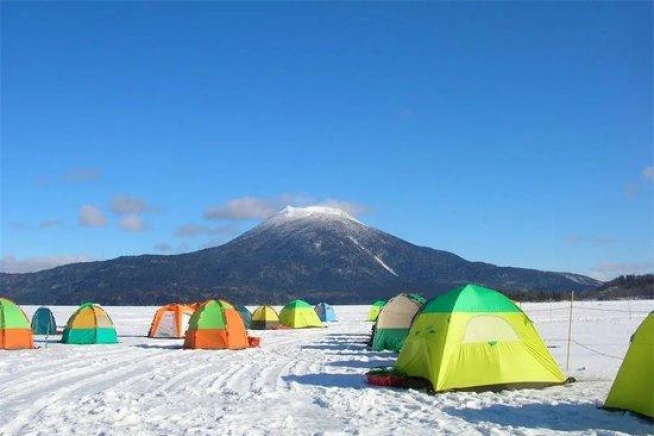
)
(299, 314)
(474, 338)
(376, 307)
(264, 318)
(633, 388)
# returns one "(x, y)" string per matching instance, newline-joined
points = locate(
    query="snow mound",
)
(291, 213)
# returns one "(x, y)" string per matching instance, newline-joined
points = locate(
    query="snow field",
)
(302, 382)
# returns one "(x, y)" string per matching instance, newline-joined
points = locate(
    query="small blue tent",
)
(245, 314)
(325, 312)
(43, 322)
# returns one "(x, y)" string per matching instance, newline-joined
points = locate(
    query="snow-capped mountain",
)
(312, 252)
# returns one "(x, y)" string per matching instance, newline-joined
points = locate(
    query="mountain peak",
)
(290, 213)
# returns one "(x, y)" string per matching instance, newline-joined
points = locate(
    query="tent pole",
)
(567, 354)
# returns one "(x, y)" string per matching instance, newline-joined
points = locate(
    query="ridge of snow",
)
(577, 278)
(379, 261)
(320, 212)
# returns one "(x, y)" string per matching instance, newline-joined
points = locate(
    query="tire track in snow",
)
(71, 372)
(190, 373)
(97, 379)
(24, 378)
(285, 356)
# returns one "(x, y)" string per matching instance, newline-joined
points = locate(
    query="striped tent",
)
(216, 324)
(394, 321)
(90, 324)
(299, 314)
(43, 322)
(264, 318)
(474, 338)
(171, 321)
(15, 331)
(376, 307)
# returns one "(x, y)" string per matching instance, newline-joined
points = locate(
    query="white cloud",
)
(9, 263)
(190, 231)
(252, 208)
(353, 209)
(610, 270)
(597, 240)
(648, 173)
(631, 189)
(163, 248)
(47, 224)
(91, 216)
(193, 230)
(126, 205)
(74, 175)
(245, 208)
(81, 175)
(132, 223)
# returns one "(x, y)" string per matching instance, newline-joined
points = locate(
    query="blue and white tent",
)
(325, 312)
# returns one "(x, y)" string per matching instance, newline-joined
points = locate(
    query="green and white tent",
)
(376, 307)
(394, 321)
(475, 338)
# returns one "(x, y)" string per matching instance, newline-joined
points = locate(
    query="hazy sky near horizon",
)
(515, 133)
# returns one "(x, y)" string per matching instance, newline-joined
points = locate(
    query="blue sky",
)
(515, 133)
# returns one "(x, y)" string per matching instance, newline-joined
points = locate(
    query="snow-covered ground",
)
(303, 382)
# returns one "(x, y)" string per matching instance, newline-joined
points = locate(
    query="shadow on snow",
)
(354, 381)
(159, 347)
(363, 364)
(558, 417)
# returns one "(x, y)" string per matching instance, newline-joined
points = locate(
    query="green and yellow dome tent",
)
(264, 318)
(394, 321)
(633, 387)
(15, 331)
(43, 322)
(475, 338)
(216, 324)
(90, 324)
(376, 307)
(299, 314)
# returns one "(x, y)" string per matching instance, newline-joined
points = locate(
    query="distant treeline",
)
(628, 286)
(624, 287)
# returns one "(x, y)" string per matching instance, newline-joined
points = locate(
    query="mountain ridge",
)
(317, 253)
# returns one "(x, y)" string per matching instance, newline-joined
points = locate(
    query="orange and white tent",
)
(171, 321)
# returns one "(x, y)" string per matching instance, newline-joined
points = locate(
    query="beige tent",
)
(394, 321)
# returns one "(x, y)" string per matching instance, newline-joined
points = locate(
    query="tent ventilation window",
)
(488, 328)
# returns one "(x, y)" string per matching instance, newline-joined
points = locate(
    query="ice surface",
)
(302, 382)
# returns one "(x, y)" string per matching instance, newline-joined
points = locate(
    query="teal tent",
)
(43, 322)
(245, 314)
